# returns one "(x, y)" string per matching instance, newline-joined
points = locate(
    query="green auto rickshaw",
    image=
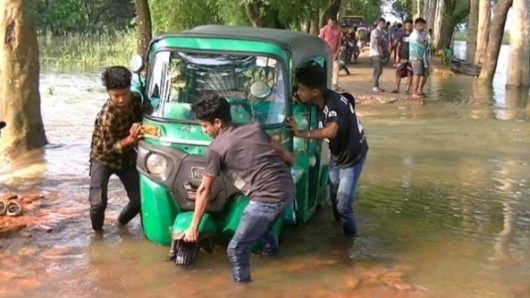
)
(253, 68)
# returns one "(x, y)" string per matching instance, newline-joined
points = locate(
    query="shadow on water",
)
(443, 208)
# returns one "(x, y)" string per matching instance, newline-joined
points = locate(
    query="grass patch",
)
(87, 51)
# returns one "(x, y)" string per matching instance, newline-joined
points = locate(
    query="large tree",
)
(439, 17)
(451, 13)
(431, 13)
(472, 31)
(483, 31)
(495, 40)
(143, 19)
(518, 67)
(19, 79)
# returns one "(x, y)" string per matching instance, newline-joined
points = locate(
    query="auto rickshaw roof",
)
(302, 46)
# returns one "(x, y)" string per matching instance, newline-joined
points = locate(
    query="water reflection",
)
(514, 106)
(481, 101)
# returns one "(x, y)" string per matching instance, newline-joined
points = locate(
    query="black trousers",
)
(99, 181)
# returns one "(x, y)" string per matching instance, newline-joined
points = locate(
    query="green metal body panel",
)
(183, 221)
(159, 207)
(234, 211)
(158, 211)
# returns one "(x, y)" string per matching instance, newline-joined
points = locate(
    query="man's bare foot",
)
(395, 91)
(98, 234)
(417, 96)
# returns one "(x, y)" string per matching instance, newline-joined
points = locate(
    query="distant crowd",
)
(408, 45)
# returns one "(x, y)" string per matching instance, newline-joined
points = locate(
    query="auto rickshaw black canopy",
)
(302, 46)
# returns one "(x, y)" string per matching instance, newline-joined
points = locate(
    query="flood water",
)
(443, 204)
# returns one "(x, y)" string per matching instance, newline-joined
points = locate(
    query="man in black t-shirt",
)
(339, 125)
(258, 166)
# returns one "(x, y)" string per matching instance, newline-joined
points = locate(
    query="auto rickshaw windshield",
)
(254, 85)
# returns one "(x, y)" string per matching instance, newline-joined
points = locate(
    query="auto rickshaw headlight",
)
(156, 164)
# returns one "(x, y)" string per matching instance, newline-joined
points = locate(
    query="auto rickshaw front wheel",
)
(183, 253)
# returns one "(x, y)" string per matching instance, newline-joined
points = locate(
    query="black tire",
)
(185, 253)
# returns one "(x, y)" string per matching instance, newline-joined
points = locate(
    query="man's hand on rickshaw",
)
(135, 132)
(284, 154)
(292, 125)
(190, 235)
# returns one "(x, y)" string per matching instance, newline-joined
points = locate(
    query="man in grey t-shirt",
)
(378, 51)
(258, 166)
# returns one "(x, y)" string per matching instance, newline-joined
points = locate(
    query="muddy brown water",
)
(443, 208)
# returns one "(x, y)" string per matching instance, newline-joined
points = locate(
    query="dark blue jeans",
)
(255, 227)
(343, 182)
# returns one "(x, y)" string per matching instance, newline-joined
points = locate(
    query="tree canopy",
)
(89, 16)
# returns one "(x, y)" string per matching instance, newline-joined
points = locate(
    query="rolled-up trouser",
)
(255, 226)
(343, 183)
(377, 63)
(99, 181)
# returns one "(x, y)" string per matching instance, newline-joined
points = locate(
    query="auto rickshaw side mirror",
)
(137, 63)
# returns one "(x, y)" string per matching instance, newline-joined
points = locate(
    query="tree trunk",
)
(483, 31)
(432, 14)
(417, 10)
(518, 67)
(143, 18)
(19, 79)
(495, 40)
(253, 15)
(446, 34)
(315, 22)
(342, 9)
(472, 30)
(331, 11)
(439, 19)
(425, 10)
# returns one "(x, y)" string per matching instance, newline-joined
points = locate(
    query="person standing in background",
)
(378, 50)
(404, 68)
(418, 58)
(331, 34)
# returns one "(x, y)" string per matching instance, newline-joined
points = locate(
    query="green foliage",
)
(370, 9)
(94, 33)
(96, 16)
(87, 50)
(402, 9)
(176, 15)
(83, 16)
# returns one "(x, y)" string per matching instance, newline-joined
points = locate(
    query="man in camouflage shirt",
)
(117, 131)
